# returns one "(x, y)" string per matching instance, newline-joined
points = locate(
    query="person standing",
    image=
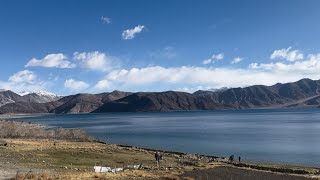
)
(157, 157)
(239, 159)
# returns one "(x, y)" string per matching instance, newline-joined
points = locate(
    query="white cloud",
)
(310, 67)
(236, 60)
(23, 81)
(23, 76)
(131, 33)
(207, 61)
(213, 77)
(51, 60)
(105, 20)
(189, 77)
(253, 66)
(95, 60)
(219, 56)
(287, 54)
(103, 84)
(75, 85)
(214, 58)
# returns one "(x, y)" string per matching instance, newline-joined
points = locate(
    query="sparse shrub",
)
(190, 163)
(11, 129)
(31, 176)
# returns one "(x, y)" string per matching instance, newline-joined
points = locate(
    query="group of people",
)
(231, 158)
(158, 158)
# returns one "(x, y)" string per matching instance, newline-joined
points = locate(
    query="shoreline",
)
(223, 159)
(280, 168)
(65, 158)
(272, 167)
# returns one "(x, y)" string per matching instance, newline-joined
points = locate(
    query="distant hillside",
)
(159, 102)
(84, 103)
(303, 93)
(79, 103)
(279, 95)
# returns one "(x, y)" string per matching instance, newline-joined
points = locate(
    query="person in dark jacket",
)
(231, 158)
(157, 157)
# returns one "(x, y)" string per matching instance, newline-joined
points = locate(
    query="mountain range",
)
(303, 93)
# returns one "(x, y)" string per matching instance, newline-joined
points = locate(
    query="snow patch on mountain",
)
(41, 93)
(23, 93)
(46, 94)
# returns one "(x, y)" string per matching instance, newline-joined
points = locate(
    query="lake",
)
(289, 136)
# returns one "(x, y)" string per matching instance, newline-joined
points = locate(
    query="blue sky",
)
(137, 45)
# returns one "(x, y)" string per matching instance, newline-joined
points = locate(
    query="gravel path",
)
(232, 173)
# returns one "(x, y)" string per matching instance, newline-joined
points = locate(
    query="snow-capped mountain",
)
(40, 96)
(46, 93)
(210, 91)
(218, 89)
(39, 93)
(7, 97)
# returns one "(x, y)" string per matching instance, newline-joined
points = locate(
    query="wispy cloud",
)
(236, 60)
(168, 52)
(207, 61)
(51, 61)
(213, 58)
(105, 20)
(131, 33)
(287, 54)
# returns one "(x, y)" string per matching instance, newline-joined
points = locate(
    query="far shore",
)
(15, 116)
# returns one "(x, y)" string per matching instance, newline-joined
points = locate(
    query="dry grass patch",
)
(32, 176)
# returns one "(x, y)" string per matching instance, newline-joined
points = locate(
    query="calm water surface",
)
(265, 135)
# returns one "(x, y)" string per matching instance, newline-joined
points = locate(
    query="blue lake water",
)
(289, 136)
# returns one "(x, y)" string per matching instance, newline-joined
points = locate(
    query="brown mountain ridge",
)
(303, 93)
